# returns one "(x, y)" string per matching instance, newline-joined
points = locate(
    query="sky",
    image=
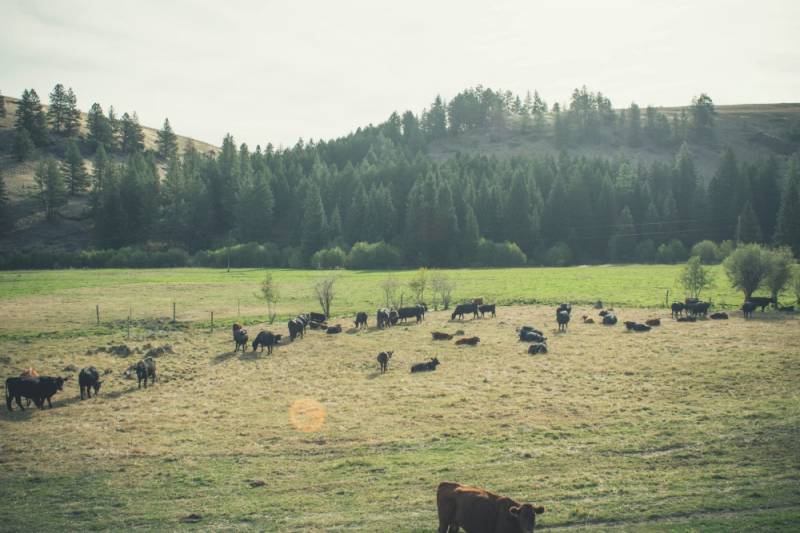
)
(269, 71)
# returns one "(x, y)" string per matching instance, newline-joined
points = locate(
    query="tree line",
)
(317, 202)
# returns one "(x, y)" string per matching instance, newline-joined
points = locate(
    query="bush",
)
(695, 277)
(558, 255)
(707, 251)
(250, 254)
(374, 256)
(645, 251)
(506, 254)
(292, 257)
(672, 252)
(726, 248)
(329, 258)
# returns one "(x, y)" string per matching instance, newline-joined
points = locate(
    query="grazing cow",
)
(89, 379)
(361, 320)
(539, 347)
(240, 338)
(747, 308)
(383, 361)
(405, 313)
(562, 317)
(146, 368)
(487, 308)
(677, 309)
(687, 319)
(653, 322)
(472, 341)
(480, 511)
(37, 389)
(295, 328)
(317, 317)
(393, 316)
(268, 339)
(425, 367)
(763, 301)
(719, 316)
(441, 336)
(332, 330)
(698, 308)
(609, 319)
(462, 309)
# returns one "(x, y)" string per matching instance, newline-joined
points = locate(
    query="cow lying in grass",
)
(633, 326)
(719, 316)
(537, 348)
(425, 367)
(472, 341)
(437, 336)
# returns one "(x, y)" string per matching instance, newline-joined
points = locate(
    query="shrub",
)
(329, 258)
(695, 277)
(506, 254)
(558, 255)
(707, 251)
(726, 248)
(374, 256)
(645, 251)
(672, 252)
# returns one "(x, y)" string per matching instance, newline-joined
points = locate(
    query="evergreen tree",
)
(561, 133)
(72, 119)
(167, 142)
(521, 220)
(622, 244)
(747, 227)
(767, 201)
(684, 183)
(110, 223)
(31, 117)
(435, 120)
(538, 112)
(132, 135)
(356, 216)
(52, 192)
(335, 226)
(470, 235)
(100, 131)
(74, 168)
(787, 229)
(2, 105)
(703, 113)
(255, 210)
(101, 164)
(6, 219)
(314, 223)
(58, 110)
(634, 134)
(23, 145)
(116, 128)
(722, 197)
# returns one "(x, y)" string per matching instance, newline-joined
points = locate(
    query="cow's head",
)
(96, 386)
(435, 361)
(59, 381)
(525, 516)
(389, 354)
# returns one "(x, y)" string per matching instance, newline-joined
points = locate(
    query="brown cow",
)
(479, 511)
(653, 322)
(472, 341)
(438, 336)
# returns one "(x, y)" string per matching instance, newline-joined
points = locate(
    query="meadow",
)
(63, 301)
(687, 427)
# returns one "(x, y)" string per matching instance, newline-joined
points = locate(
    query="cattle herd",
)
(459, 506)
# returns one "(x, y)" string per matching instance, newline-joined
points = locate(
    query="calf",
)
(719, 316)
(539, 347)
(146, 368)
(748, 307)
(361, 320)
(562, 317)
(487, 308)
(88, 379)
(332, 330)
(240, 338)
(296, 328)
(462, 309)
(382, 318)
(268, 339)
(383, 361)
(472, 341)
(441, 336)
(677, 309)
(480, 511)
(609, 319)
(587, 319)
(425, 367)
(653, 322)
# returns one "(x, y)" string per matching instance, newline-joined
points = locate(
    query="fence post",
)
(666, 299)
(130, 312)
(212, 321)
(173, 311)
(97, 312)
(238, 308)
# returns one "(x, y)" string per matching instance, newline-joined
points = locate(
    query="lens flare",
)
(307, 415)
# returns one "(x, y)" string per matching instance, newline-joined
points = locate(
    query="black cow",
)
(393, 317)
(382, 318)
(296, 327)
(537, 348)
(361, 320)
(240, 338)
(762, 301)
(719, 316)
(438, 336)
(37, 389)
(698, 308)
(88, 379)
(487, 308)
(146, 368)
(531, 336)
(687, 319)
(634, 326)
(677, 309)
(462, 309)
(609, 320)
(564, 307)
(529, 328)
(332, 330)
(690, 301)
(316, 317)
(268, 339)
(748, 307)
(425, 367)
(562, 317)
(383, 361)
(405, 313)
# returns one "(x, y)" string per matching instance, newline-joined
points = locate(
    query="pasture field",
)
(63, 302)
(687, 427)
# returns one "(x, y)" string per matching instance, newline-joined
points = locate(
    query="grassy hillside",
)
(688, 427)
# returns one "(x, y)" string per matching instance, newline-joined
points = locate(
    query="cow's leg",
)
(81, 392)
(19, 402)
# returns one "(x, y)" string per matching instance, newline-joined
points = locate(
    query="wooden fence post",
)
(130, 312)
(212, 321)
(97, 312)
(173, 311)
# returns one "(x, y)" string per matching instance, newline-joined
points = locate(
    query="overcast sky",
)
(270, 71)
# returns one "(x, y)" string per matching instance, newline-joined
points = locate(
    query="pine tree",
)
(167, 142)
(436, 119)
(30, 117)
(2, 105)
(470, 235)
(622, 244)
(254, 210)
(767, 201)
(52, 192)
(747, 227)
(335, 226)
(787, 229)
(6, 219)
(634, 134)
(23, 145)
(72, 119)
(538, 112)
(722, 197)
(101, 168)
(100, 131)
(74, 168)
(132, 135)
(521, 223)
(685, 184)
(703, 113)
(58, 110)
(356, 216)
(314, 223)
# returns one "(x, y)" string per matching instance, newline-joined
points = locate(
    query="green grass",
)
(67, 298)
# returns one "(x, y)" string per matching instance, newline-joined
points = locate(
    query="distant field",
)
(64, 301)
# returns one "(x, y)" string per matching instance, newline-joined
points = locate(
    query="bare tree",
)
(389, 288)
(269, 293)
(325, 294)
(442, 286)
